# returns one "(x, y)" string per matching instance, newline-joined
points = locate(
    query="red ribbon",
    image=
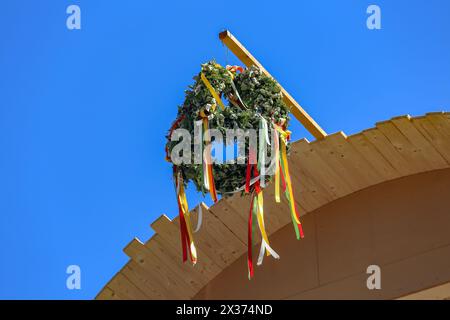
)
(185, 240)
(212, 187)
(250, 219)
(283, 182)
(257, 183)
(248, 176)
(235, 68)
(250, 164)
(249, 241)
(300, 228)
(183, 232)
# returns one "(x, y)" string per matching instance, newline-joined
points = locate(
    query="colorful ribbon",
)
(257, 169)
(250, 238)
(199, 218)
(208, 176)
(256, 214)
(231, 71)
(187, 240)
(212, 91)
(277, 165)
(263, 142)
(234, 69)
(287, 184)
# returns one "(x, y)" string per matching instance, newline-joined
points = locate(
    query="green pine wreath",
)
(254, 94)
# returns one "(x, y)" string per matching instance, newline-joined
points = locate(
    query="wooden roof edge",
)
(163, 219)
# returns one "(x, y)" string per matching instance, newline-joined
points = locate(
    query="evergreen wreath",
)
(250, 95)
(255, 102)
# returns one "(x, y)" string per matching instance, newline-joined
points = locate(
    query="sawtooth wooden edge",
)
(322, 171)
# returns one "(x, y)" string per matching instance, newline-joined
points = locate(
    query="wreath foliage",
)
(259, 95)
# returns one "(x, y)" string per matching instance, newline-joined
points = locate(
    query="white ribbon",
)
(262, 251)
(264, 135)
(199, 218)
(206, 151)
(252, 181)
(266, 129)
(237, 94)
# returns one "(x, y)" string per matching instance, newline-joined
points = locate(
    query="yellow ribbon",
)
(185, 208)
(288, 181)
(277, 167)
(212, 91)
(206, 153)
(284, 135)
(260, 217)
(208, 178)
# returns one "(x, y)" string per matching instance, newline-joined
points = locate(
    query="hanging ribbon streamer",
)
(199, 218)
(234, 68)
(212, 91)
(256, 215)
(208, 177)
(250, 238)
(276, 159)
(287, 184)
(263, 142)
(187, 241)
(265, 247)
(231, 71)
(255, 178)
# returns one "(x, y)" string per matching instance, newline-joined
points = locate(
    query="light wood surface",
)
(323, 171)
(246, 57)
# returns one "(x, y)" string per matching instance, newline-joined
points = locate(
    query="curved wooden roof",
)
(322, 171)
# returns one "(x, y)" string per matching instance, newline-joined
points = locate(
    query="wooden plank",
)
(389, 152)
(119, 283)
(382, 166)
(278, 212)
(441, 120)
(146, 281)
(244, 55)
(305, 189)
(170, 231)
(319, 169)
(401, 277)
(150, 292)
(231, 218)
(107, 294)
(315, 194)
(433, 157)
(214, 238)
(327, 149)
(163, 226)
(414, 156)
(431, 133)
(241, 204)
(196, 276)
(441, 292)
(153, 264)
(353, 161)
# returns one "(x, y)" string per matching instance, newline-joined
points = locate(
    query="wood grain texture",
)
(322, 171)
(247, 58)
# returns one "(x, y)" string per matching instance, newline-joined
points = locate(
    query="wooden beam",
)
(244, 55)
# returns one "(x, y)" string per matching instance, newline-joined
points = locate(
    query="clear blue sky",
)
(83, 113)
